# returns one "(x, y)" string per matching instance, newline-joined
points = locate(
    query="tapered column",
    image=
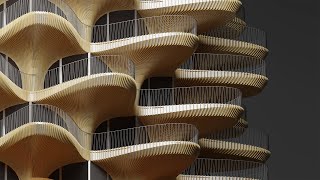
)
(89, 64)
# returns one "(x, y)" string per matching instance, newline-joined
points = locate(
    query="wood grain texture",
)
(38, 149)
(217, 45)
(221, 115)
(208, 13)
(217, 149)
(250, 84)
(104, 96)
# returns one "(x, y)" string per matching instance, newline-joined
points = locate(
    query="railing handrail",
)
(190, 95)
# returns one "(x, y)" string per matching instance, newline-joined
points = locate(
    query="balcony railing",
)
(145, 136)
(98, 33)
(68, 72)
(194, 96)
(82, 68)
(217, 65)
(225, 169)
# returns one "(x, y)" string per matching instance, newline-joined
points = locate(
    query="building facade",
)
(129, 89)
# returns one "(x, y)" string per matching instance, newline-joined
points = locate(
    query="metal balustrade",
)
(239, 137)
(74, 70)
(144, 26)
(57, 7)
(191, 96)
(144, 136)
(217, 65)
(235, 30)
(17, 77)
(97, 65)
(225, 169)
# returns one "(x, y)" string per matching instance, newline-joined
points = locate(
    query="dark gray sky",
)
(288, 108)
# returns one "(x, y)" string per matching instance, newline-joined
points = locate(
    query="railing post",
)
(60, 71)
(60, 173)
(4, 24)
(108, 27)
(89, 64)
(4, 13)
(6, 68)
(30, 112)
(3, 123)
(108, 137)
(5, 172)
(30, 5)
(135, 23)
(89, 170)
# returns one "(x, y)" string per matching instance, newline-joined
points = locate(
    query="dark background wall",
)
(288, 107)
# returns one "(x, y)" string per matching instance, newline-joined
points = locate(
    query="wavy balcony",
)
(146, 41)
(208, 13)
(208, 108)
(225, 170)
(243, 72)
(236, 143)
(157, 45)
(38, 139)
(88, 83)
(33, 132)
(234, 38)
(150, 152)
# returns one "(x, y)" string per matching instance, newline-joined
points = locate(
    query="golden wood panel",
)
(207, 119)
(93, 99)
(250, 84)
(216, 45)
(104, 96)
(153, 55)
(217, 149)
(90, 11)
(208, 13)
(38, 149)
(164, 161)
(46, 32)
